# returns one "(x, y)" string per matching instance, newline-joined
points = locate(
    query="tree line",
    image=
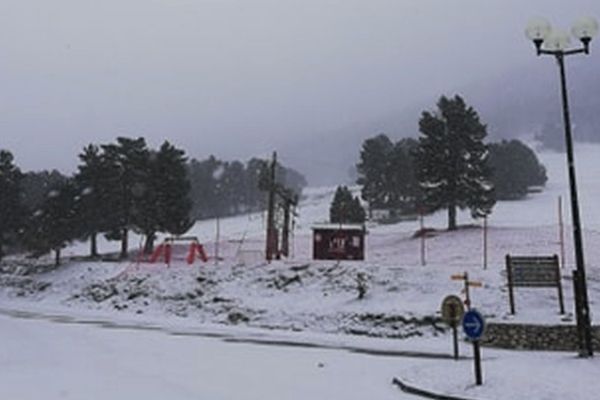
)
(122, 187)
(223, 188)
(449, 166)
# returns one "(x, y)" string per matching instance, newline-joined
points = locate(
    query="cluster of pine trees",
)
(222, 188)
(118, 187)
(122, 187)
(448, 167)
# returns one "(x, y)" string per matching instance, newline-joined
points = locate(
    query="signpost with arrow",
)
(473, 327)
(468, 284)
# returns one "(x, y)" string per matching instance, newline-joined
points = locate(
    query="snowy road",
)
(43, 359)
(53, 356)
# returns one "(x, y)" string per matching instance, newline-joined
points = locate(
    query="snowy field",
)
(178, 323)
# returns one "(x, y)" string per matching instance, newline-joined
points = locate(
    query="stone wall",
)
(535, 337)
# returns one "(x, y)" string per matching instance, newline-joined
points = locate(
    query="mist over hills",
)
(520, 103)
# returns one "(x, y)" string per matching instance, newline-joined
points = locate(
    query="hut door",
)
(338, 245)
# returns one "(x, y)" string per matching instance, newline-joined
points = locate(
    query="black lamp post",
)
(554, 42)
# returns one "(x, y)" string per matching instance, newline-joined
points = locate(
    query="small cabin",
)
(339, 242)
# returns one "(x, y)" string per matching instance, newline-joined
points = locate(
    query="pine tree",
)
(404, 187)
(373, 170)
(93, 183)
(203, 178)
(127, 166)
(165, 205)
(11, 210)
(232, 184)
(255, 184)
(36, 185)
(172, 190)
(358, 214)
(452, 160)
(52, 227)
(515, 168)
(345, 208)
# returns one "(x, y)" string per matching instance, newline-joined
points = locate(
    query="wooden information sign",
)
(533, 272)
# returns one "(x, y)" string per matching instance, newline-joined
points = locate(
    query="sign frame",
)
(452, 309)
(533, 272)
(476, 333)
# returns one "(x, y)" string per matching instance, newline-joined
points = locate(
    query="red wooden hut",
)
(339, 242)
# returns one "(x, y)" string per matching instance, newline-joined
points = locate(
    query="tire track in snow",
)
(257, 339)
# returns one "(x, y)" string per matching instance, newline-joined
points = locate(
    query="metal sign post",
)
(473, 327)
(452, 312)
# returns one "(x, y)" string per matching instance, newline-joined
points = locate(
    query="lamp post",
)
(553, 42)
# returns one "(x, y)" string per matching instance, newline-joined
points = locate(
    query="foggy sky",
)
(242, 78)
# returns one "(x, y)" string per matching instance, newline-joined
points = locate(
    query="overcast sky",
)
(241, 78)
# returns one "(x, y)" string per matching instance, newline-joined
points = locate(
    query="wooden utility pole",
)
(217, 239)
(285, 235)
(270, 239)
(423, 233)
(279, 196)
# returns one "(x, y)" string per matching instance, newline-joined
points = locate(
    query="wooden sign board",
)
(533, 272)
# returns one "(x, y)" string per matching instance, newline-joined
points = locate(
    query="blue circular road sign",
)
(473, 324)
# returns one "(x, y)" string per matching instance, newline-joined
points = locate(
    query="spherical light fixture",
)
(538, 30)
(558, 40)
(585, 29)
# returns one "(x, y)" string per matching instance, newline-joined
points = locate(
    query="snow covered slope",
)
(301, 294)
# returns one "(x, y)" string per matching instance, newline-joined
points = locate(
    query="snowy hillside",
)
(301, 294)
(190, 331)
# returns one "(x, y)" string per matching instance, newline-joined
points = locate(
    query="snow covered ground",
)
(54, 357)
(301, 294)
(297, 300)
(46, 360)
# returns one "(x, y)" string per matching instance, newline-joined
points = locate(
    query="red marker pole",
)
(422, 230)
(485, 242)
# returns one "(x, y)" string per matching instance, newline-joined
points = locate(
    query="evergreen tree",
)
(358, 214)
(203, 177)
(11, 210)
(232, 185)
(404, 187)
(452, 160)
(52, 226)
(373, 170)
(345, 208)
(166, 206)
(290, 179)
(255, 184)
(127, 166)
(515, 168)
(387, 174)
(93, 182)
(36, 185)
